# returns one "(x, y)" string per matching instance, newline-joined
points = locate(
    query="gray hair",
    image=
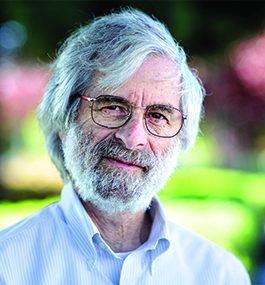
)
(115, 46)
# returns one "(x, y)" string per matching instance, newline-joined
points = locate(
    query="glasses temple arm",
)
(87, 98)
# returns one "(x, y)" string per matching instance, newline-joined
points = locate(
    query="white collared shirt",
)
(60, 245)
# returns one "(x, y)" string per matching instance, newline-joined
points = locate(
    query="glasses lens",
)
(163, 121)
(111, 111)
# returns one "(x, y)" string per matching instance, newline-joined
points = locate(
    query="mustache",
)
(113, 149)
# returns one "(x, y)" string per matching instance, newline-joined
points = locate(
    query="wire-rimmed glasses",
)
(113, 112)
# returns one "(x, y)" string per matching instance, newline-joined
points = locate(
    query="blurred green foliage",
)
(217, 183)
(30, 135)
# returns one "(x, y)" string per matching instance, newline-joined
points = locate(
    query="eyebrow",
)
(167, 108)
(160, 104)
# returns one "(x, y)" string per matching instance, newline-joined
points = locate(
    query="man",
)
(120, 106)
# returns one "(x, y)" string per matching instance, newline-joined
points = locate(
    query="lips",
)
(121, 161)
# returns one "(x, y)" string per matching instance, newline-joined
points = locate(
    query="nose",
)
(133, 134)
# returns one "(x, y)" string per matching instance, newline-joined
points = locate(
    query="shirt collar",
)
(158, 241)
(79, 222)
(85, 231)
(159, 229)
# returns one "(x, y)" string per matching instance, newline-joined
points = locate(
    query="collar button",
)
(90, 260)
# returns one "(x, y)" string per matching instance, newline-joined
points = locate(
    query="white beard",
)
(110, 188)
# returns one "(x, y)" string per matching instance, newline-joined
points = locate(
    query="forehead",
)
(157, 69)
(157, 80)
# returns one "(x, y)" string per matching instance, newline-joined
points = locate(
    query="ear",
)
(62, 136)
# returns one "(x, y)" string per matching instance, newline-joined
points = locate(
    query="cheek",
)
(160, 145)
(100, 133)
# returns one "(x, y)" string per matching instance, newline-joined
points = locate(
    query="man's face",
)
(120, 170)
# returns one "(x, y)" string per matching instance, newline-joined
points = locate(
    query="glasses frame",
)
(91, 99)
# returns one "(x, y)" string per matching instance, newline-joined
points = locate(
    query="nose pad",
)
(133, 134)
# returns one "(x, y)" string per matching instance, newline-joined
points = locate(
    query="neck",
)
(122, 232)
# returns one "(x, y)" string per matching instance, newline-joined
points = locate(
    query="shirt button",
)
(90, 260)
(102, 245)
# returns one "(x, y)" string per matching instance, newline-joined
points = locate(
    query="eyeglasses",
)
(113, 112)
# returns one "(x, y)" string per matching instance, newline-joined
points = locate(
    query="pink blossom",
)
(21, 89)
(248, 60)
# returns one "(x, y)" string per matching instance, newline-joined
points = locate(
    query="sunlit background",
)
(218, 190)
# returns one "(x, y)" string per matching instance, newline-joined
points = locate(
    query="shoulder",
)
(206, 256)
(31, 245)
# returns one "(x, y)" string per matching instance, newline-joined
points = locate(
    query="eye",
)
(114, 110)
(111, 108)
(159, 115)
(156, 116)
(156, 119)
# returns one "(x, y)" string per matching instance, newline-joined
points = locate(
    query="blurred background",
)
(218, 190)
